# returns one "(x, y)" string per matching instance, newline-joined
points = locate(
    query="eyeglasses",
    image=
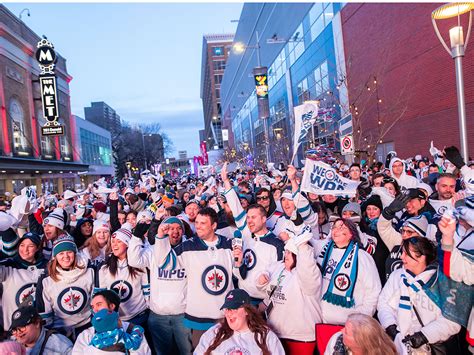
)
(339, 226)
(19, 329)
(262, 198)
(408, 232)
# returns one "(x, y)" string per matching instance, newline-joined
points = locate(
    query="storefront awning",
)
(16, 165)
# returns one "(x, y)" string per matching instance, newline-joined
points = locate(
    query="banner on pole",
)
(305, 116)
(322, 179)
(261, 87)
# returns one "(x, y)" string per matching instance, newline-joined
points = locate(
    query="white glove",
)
(293, 243)
(435, 152)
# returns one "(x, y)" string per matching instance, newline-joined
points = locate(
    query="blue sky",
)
(144, 60)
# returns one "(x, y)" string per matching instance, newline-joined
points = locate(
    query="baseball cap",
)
(192, 201)
(23, 316)
(236, 299)
(415, 193)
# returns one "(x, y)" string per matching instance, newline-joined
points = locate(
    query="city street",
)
(236, 178)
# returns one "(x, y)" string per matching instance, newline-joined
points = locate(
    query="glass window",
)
(324, 69)
(317, 27)
(15, 110)
(315, 12)
(218, 79)
(219, 65)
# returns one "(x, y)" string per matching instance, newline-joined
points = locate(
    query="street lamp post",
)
(144, 150)
(239, 48)
(458, 48)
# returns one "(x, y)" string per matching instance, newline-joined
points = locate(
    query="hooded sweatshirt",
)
(405, 181)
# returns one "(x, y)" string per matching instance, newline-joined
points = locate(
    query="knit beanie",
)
(123, 234)
(64, 243)
(373, 200)
(144, 215)
(419, 224)
(173, 219)
(100, 225)
(55, 218)
(168, 198)
(100, 206)
(352, 207)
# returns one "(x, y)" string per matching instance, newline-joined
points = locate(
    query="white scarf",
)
(409, 286)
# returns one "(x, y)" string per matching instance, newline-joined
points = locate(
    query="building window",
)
(219, 64)
(46, 141)
(17, 115)
(320, 18)
(302, 91)
(218, 93)
(218, 79)
(95, 149)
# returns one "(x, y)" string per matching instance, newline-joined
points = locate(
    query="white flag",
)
(305, 116)
(321, 179)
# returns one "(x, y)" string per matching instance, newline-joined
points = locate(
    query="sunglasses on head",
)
(388, 179)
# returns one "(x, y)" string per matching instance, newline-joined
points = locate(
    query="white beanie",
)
(55, 218)
(100, 225)
(123, 234)
(145, 214)
(419, 224)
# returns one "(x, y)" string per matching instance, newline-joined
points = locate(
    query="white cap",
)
(69, 194)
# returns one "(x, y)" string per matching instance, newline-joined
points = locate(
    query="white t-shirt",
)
(239, 343)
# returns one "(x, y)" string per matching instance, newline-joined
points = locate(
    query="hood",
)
(393, 162)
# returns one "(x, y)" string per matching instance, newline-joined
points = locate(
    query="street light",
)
(239, 48)
(458, 47)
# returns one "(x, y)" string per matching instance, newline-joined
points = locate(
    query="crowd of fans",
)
(245, 262)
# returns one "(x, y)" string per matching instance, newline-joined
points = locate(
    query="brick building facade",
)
(392, 50)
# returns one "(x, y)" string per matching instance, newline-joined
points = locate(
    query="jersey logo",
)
(72, 300)
(237, 350)
(215, 280)
(250, 259)
(24, 292)
(342, 282)
(397, 264)
(442, 209)
(123, 289)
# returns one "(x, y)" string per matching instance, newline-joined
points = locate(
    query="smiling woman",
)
(243, 330)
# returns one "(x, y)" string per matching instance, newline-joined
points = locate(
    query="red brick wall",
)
(415, 75)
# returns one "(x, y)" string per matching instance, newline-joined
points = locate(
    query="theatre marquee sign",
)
(46, 57)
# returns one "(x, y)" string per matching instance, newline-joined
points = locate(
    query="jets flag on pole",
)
(305, 116)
